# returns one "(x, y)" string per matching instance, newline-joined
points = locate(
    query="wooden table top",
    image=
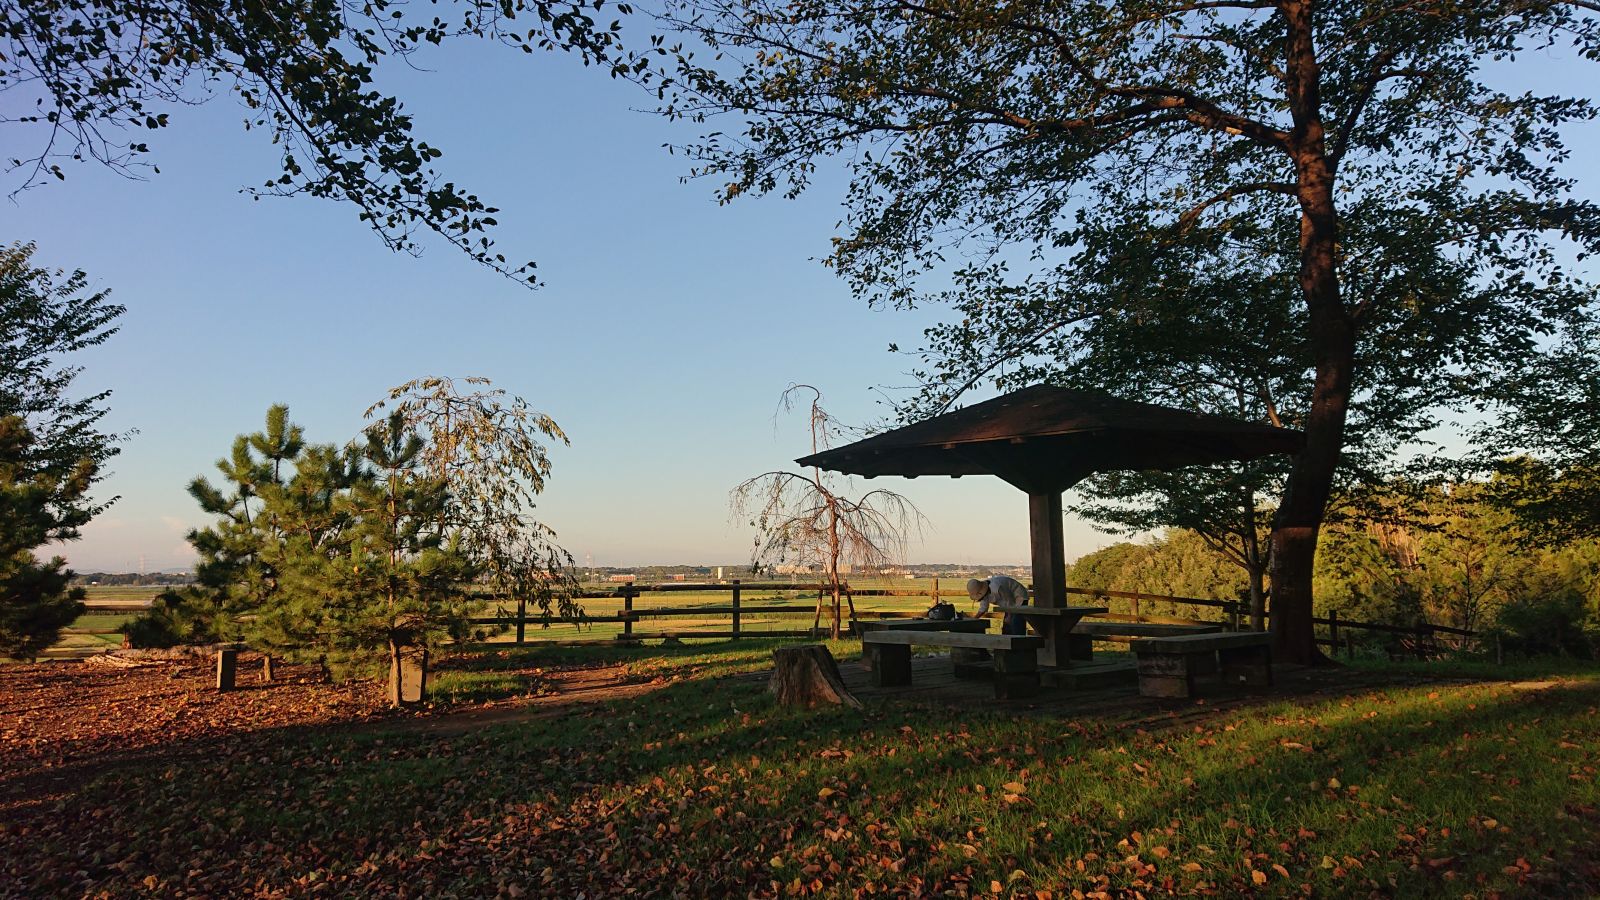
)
(1074, 611)
(968, 624)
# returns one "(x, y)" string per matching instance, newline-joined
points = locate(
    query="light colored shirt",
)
(1003, 591)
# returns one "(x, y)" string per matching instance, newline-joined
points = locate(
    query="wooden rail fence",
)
(1339, 633)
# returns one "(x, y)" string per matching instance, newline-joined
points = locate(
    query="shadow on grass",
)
(703, 787)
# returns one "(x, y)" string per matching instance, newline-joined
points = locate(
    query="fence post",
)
(1233, 615)
(736, 609)
(1136, 604)
(1333, 629)
(627, 610)
(935, 591)
(522, 617)
(227, 666)
(1499, 653)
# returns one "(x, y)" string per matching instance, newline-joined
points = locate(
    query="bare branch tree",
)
(488, 446)
(804, 520)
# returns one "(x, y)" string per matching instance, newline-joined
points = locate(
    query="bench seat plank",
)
(1202, 643)
(952, 639)
(1099, 628)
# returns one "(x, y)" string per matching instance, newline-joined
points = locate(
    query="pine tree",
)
(237, 570)
(35, 507)
(51, 449)
(402, 584)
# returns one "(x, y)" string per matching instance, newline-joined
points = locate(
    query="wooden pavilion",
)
(1045, 439)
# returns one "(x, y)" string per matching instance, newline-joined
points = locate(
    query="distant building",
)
(621, 578)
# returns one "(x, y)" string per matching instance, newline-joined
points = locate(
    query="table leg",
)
(1016, 674)
(891, 664)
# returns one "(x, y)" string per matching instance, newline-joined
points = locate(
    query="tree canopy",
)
(85, 80)
(1056, 160)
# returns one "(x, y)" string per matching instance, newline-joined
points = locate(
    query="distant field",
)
(127, 600)
(803, 603)
(131, 595)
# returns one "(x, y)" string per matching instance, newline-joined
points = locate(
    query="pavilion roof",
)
(1045, 438)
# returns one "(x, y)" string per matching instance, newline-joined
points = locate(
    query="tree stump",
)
(266, 667)
(806, 675)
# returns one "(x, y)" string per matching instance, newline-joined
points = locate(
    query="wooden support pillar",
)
(1049, 572)
(1049, 549)
(736, 609)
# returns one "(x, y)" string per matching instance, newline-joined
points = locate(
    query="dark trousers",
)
(1014, 624)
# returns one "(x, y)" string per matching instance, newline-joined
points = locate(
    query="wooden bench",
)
(971, 626)
(1168, 665)
(1080, 641)
(1016, 660)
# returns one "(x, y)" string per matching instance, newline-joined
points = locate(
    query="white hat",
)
(977, 588)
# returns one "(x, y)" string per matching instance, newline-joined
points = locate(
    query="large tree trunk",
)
(1332, 339)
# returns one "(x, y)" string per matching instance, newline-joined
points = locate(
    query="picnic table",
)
(1054, 625)
(968, 625)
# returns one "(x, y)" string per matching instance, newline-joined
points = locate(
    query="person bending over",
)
(1000, 590)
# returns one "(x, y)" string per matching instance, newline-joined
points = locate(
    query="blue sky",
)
(666, 330)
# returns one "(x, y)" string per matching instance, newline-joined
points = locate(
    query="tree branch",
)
(1187, 220)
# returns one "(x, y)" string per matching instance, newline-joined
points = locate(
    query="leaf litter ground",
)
(669, 773)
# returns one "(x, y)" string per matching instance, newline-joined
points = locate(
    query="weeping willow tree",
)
(489, 447)
(804, 519)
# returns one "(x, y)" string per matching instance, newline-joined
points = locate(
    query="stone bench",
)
(1016, 660)
(1087, 631)
(1168, 665)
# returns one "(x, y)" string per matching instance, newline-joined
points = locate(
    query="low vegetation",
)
(1451, 555)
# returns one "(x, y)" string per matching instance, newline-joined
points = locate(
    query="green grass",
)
(803, 604)
(703, 787)
(122, 593)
